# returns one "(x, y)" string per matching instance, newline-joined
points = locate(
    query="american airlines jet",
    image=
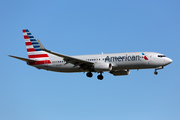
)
(117, 63)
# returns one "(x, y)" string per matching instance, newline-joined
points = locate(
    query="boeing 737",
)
(117, 63)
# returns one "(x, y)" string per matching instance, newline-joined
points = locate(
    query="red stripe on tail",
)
(30, 49)
(24, 31)
(26, 37)
(38, 56)
(28, 43)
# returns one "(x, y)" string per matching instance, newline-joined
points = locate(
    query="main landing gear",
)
(89, 74)
(100, 77)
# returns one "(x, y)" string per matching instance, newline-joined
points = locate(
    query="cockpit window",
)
(161, 56)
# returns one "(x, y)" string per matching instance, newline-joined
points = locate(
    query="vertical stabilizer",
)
(33, 48)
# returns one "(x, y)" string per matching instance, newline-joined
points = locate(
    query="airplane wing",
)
(23, 59)
(68, 59)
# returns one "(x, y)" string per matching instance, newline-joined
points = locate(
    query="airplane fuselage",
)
(119, 61)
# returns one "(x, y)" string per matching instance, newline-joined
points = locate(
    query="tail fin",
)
(33, 48)
(32, 44)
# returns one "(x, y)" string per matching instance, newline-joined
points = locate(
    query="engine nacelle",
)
(120, 72)
(100, 67)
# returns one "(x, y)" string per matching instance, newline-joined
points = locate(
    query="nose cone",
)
(168, 61)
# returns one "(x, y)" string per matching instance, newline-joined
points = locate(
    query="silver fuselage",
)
(119, 61)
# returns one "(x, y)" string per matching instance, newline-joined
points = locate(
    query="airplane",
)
(115, 63)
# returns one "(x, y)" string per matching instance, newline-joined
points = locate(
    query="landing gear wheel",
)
(100, 77)
(155, 72)
(89, 74)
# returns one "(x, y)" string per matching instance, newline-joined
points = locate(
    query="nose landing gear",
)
(155, 72)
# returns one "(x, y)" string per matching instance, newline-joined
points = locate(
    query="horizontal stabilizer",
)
(23, 59)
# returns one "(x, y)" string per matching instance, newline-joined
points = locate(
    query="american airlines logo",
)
(145, 56)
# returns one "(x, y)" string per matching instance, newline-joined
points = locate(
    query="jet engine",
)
(100, 67)
(120, 72)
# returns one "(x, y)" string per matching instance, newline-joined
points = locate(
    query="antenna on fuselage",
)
(102, 53)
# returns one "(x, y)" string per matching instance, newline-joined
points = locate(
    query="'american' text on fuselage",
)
(122, 58)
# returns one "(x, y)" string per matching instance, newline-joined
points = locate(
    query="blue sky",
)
(90, 27)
